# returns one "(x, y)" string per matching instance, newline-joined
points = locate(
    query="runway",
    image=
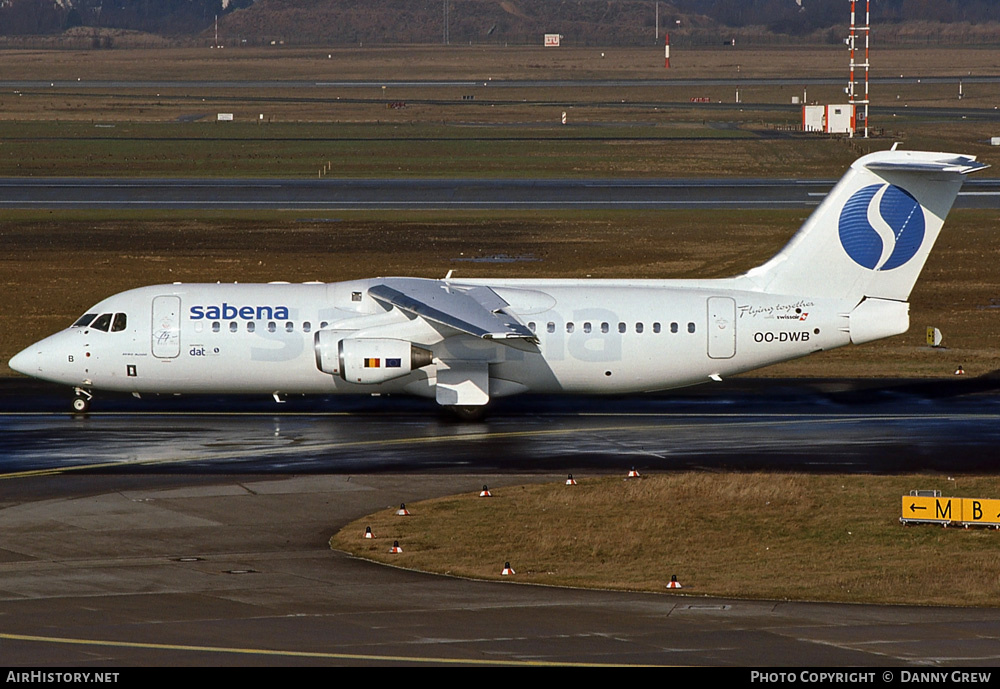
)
(193, 531)
(168, 531)
(746, 424)
(317, 196)
(195, 571)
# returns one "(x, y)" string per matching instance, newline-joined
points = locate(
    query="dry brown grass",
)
(778, 536)
(479, 65)
(398, 63)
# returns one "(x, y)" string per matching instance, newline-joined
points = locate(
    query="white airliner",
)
(844, 278)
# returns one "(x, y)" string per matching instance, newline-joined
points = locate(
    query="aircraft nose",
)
(27, 361)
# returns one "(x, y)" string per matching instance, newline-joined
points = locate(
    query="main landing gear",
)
(81, 403)
(467, 412)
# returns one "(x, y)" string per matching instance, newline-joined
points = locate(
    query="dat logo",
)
(881, 226)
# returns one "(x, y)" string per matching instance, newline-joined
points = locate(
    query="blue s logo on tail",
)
(881, 226)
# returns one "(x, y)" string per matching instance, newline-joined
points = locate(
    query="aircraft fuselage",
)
(594, 337)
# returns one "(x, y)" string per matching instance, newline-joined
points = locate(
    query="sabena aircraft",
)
(844, 278)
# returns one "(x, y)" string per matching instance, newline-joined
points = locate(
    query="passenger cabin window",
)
(233, 326)
(215, 326)
(289, 327)
(251, 326)
(622, 327)
(272, 326)
(638, 327)
(673, 327)
(570, 327)
(306, 327)
(605, 327)
(690, 327)
(656, 327)
(551, 327)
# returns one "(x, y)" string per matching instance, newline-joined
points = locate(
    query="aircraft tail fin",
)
(872, 234)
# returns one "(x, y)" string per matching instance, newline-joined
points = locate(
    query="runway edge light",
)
(485, 492)
(402, 511)
(395, 547)
(368, 532)
(507, 571)
(674, 584)
(571, 481)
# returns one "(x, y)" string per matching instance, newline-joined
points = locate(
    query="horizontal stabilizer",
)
(963, 165)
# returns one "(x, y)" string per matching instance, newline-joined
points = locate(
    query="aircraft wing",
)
(476, 310)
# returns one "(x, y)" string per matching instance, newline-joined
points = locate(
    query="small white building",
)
(831, 119)
(814, 118)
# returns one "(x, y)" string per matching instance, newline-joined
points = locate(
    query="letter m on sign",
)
(942, 512)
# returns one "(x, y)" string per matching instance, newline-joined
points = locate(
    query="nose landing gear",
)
(81, 403)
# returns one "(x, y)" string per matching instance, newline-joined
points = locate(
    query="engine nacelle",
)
(367, 360)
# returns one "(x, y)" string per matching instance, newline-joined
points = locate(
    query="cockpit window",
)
(118, 324)
(102, 322)
(85, 320)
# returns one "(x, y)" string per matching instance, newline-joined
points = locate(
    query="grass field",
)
(479, 127)
(303, 150)
(484, 63)
(778, 536)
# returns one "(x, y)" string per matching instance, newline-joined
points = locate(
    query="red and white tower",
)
(854, 97)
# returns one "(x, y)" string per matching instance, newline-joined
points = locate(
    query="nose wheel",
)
(81, 403)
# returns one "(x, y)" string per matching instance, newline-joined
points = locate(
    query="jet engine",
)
(368, 360)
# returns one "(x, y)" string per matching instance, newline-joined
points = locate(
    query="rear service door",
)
(721, 327)
(166, 327)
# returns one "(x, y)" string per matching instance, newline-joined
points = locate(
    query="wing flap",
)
(475, 310)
